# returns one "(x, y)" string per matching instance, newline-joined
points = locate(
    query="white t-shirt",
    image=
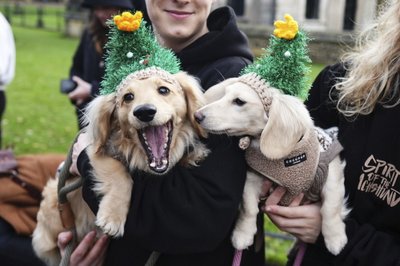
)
(7, 53)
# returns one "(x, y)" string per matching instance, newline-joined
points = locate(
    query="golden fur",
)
(235, 108)
(115, 122)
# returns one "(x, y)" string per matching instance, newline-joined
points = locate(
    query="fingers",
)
(305, 234)
(97, 254)
(83, 247)
(89, 252)
(76, 79)
(275, 196)
(289, 212)
(284, 222)
(82, 92)
(297, 200)
(78, 95)
(266, 186)
(62, 240)
(80, 252)
(304, 221)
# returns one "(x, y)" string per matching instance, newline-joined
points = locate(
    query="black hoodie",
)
(372, 178)
(219, 54)
(188, 215)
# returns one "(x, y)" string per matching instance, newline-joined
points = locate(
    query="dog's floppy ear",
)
(194, 98)
(217, 91)
(288, 120)
(99, 116)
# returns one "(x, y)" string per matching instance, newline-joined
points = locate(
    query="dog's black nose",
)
(145, 112)
(198, 116)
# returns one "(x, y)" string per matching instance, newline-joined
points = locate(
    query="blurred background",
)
(39, 119)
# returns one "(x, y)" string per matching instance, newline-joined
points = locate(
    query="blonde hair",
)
(373, 66)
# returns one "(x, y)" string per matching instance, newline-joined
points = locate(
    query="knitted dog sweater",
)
(304, 170)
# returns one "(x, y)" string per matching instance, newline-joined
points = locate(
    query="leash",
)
(64, 207)
(151, 261)
(320, 178)
(300, 254)
(237, 257)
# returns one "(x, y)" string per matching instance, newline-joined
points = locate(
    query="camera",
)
(67, 85)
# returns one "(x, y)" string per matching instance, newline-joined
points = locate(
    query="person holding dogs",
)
(188, 214)
(360, 96)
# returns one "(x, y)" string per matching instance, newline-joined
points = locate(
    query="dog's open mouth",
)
(156, 141)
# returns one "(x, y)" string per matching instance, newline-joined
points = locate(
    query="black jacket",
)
(87, 64)
(219, 54)
(372, 179)
(188, 214)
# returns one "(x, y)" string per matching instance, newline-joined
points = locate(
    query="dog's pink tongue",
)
(156, 138)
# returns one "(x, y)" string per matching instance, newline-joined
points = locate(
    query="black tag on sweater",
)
(295, 160)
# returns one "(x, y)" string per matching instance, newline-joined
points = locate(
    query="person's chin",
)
(179, 34)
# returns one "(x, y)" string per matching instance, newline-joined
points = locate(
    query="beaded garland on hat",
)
(132, 47)
(283, 65)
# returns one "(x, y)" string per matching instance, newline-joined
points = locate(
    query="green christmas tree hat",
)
(132, 52)
(284, 63)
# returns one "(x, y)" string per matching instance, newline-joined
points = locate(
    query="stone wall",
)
(329, 36)
(325, 48)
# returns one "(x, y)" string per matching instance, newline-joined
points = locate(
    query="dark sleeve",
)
(368, 246)
(321, 100)
(95, 91)
(221, 70)
(83, 54)
(365, 246)
(85, 168)
(189, 209)
(77, 67)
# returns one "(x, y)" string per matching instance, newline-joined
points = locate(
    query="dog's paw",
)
(336, 243)
(242, 240)
(112, 225)
(244, 142)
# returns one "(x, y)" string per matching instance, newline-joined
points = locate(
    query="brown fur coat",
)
(17, 206)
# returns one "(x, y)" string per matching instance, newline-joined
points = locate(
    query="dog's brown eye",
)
(163, 90)
(238, 102)
(128, 97)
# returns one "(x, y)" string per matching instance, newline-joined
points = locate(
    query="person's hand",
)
(266, 187)
(82, 91)
(90, 251)
(81, 143)
(304, 222)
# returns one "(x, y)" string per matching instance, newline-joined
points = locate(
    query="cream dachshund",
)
(236, 109)
(147, 124)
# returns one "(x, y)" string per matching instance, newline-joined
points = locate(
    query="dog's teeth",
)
(153, 164)
(144, 136)
(147, 145)
(164, 161)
